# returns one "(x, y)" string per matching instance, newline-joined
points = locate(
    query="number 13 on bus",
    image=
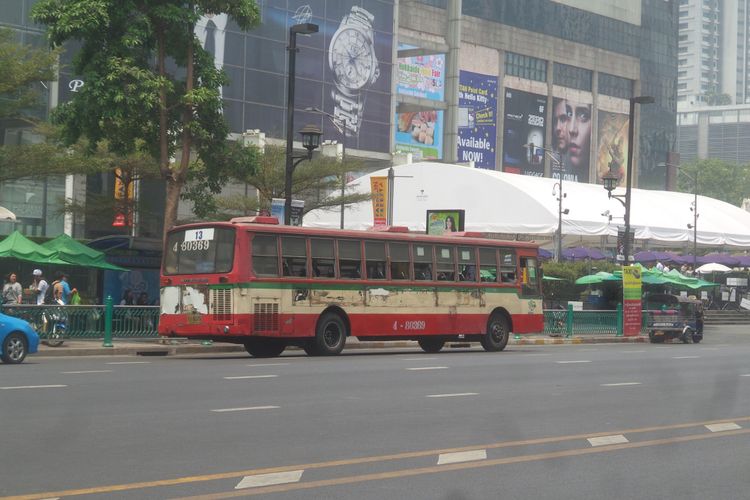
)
(266, 286)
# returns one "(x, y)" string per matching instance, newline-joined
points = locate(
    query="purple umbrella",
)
(719, 258)
(744, 260)
(544, 254)
(580, 253)
(645, 256)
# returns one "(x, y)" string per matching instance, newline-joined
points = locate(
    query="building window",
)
(527, 67)
(570, 76)
(615, 86)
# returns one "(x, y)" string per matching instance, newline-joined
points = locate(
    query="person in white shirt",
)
(39, 286)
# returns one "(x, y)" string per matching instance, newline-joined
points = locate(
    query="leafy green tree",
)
(131, 100)
(318, 182)
(718, 179)
(24, 67)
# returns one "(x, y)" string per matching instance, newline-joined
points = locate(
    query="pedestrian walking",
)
(62, 289)
(39, 286)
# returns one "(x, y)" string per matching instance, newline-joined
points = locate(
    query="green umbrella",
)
(552, 278)
(78, 254)
(593, 279)
(18, 246)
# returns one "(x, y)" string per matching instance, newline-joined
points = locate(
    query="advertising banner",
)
(631, 293)
(298, 208)
(420, 133)
(445, 221)
(421, 76)
(571, 138)
(524, 124)
(477, 119)
(379, 190)
(612, 153)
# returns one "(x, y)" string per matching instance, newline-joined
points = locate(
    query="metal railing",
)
(565, 323)
(89, 322)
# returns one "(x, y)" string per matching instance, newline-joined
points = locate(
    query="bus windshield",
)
(199, 251)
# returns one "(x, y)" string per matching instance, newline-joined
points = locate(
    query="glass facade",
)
(575, 78)
(527, 67)
(654, 43)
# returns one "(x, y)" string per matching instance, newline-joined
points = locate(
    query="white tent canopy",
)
(498, 202)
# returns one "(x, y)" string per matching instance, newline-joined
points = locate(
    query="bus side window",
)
(323, 262)
(422, 262)
(399, 253)
(508, 266)
(530, 276)
(265, 256)
(375, 260)
(487, 265)
(294, 256)
(350, 259)
(466, 264)
(446, 264)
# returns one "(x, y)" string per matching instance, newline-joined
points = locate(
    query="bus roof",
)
(381, 233)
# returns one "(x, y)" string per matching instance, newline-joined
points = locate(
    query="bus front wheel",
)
(264, 348)
(497, 334)
(431, 345)
(330, 335)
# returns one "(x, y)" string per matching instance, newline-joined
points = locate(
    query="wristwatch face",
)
(351, 58)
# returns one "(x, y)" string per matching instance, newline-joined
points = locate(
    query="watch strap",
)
(347, 112)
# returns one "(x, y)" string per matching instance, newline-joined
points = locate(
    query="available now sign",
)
(631, 293)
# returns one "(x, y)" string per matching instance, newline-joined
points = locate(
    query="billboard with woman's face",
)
(571, 138)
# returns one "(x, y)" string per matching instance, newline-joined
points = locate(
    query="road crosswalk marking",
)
(463, 456)
(270, 479)
(728, 426)
(605, 440)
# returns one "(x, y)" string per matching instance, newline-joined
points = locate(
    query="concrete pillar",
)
(452, 69)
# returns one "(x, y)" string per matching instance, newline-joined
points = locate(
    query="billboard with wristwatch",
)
(343, 72)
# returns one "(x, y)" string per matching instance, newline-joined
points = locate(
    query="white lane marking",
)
(662, 347)
(453, 395)
(685, 357)
(269, 479)
(605, 440)
(250, 376)
(633, 352)
(619, 384)
(729, 426)
(226, 410)
(129, 362)
(709, 348)
(416, 359)
(574, 361)
(51, 386)
(427, 368)
(463, 456)
(539, 354)
(87, 371)
(745, 375)
(270, 364)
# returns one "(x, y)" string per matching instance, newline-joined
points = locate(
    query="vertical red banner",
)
(379, 189)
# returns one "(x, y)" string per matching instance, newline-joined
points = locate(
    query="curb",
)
(153, 349)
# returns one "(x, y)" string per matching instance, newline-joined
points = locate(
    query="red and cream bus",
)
(252, 281)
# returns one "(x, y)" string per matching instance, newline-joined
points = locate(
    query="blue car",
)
(17, 339)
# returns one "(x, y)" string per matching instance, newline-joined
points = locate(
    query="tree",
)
(24, 67)
(318, 182)
(131, 100)
(717, 179)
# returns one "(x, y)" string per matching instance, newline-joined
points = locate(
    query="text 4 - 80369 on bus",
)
(254, 282)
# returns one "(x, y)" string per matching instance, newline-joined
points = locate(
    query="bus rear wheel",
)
(264, 348)
(431, 345)
(330, 335)
(497, 334)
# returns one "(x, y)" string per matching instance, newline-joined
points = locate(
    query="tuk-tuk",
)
(672, 317)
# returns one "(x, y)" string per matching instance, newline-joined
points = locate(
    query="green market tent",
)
(600, 277)
(76, 253)
(18, 246)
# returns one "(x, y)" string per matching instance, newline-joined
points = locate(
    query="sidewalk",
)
(167, 347)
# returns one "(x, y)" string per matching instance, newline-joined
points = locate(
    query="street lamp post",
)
(556, 158)
(694, 226)
(310, 135)
(611, 179)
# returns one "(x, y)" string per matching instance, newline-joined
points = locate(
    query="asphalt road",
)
(544, 422)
